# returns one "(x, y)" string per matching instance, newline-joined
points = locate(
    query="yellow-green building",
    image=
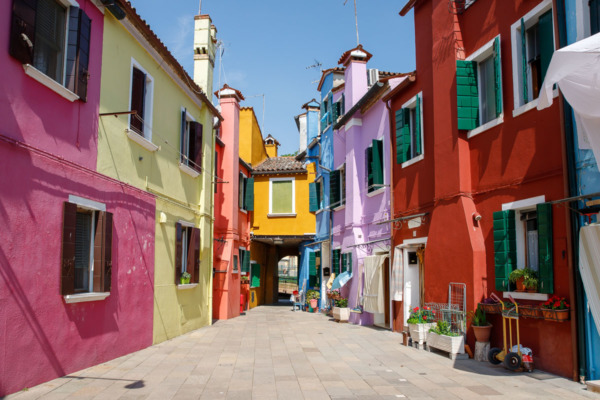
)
(161, 139)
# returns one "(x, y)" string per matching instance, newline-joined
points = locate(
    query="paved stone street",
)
(274, 353)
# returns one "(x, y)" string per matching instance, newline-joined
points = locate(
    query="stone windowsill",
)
(281, 215)
(85, 297)
(50, 83)
(142, 141)
(184, 286)
(190, 171)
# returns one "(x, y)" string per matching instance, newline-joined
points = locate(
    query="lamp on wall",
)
(163, 218)
(476, 218)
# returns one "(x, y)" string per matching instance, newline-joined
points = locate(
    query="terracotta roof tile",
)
(279, 164)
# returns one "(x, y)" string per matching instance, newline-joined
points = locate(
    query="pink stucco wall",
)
(48, 150)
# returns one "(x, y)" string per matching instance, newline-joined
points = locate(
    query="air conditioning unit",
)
(373, 76)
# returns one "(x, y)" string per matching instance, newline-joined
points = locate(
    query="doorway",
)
(383, 320)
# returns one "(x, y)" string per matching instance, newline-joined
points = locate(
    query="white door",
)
(411, 284)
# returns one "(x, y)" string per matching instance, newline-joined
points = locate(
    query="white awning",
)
(589, 267)
(576, 71)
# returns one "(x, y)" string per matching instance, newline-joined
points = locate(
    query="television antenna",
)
(355, 20)
(317, 64)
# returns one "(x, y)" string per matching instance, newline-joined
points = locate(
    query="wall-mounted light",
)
(476, 218)
(163, 218)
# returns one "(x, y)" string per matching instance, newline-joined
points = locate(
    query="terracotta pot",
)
(520, 286)
(556, 315)
(313, 303)
(482, 333)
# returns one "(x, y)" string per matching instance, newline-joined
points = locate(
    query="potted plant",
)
(490, 306)
(185, 278)
(419, 323)
(481, 328)
(556, 309)
(520, 276)
(312, 297)
(341, 312)
(441, 337)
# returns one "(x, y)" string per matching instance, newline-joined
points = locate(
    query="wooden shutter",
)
(178, 252)
(193, 258)
(22, 30)
(467, 95)
(336, 110)
(312, 269)
(255, 275)
(399, 127)
(330, 108)
(247, 260)
(349, 262)
(594, 16)
(312, 197)
(67, 273)
(249, 195)
(377, 163)
(138, 94)
(343, 263)
(369, 167)
(98, 285)
(335, 261)
(545, 248)
(78, 52)
(241, 196)
(183, 137)
(406, 136)
(334, 188)
(107, 251)
(505, 248)
(418, 150)
(524, 61)
(498, 76)
(195, 143)
(546, 35)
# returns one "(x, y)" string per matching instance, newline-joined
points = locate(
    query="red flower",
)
(424, 317)
(416, 309)
(556, 304)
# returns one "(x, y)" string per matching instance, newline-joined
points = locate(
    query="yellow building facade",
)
(166, 148)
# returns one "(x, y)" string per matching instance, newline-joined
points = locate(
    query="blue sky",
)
(270, 43)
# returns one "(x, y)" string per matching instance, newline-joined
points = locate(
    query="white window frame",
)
(293, 213)
(521, 105)
(412, 103)
(148, 99)
(483, 53)
(183, 166)
(242, 192)
(240, 262)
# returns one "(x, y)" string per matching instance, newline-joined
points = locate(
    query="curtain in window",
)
(397, 275)
(282, 197)
(374, 295)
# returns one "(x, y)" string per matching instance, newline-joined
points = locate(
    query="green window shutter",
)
(467, 95)
(312, 269)
(524, 60)
(498, 76)
(312, 197)
(331, 107)
(369, 167)
(343, 263)
(249, 192)
(399, 135)
(594, 16)
(335, 262)
(319, 185)
(349, 262)
(255, 275)
(418, 126)
(505, 247)
(545, 247)
(343, 104)
(334, 188)
(247, 260)
(406, 144)
(377, 163)
(546, 32)
(336, 111)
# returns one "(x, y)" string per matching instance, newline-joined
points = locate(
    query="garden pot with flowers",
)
(441, 337)
(556, 309)
(341, 312)
(420, 322)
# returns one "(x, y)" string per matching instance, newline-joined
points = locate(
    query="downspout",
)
(576, 290)
(389, 108)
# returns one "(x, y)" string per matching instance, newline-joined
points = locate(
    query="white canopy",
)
(576, 71)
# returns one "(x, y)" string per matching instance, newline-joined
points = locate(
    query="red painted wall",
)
(518, 159)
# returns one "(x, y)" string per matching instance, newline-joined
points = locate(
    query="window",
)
(254, 274)
(337, 187)
(142, 86)
(409, 130)
(282, 193)
(523, 239)
(374, 166)
(346, 262)
(338, 109)
(314, 269)
(246, 193)
(235, 264)
(190, 142)
(479, 87)
(187, 252)
(54, 38)
(326, 112)
(86, 248)
(533, 46)
(244, 260)
(594, 16)
(335, 261)
(315, 192)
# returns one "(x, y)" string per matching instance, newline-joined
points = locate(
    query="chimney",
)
(355, 75)
(205, 39)
(271, 145)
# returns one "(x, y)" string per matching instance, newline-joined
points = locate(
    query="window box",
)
(142, 141)
(418, 332)
(449, 344)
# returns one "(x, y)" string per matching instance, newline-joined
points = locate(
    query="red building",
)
(476, 166)
(232, 217)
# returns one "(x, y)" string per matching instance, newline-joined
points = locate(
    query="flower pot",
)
(418, 332)
(520, 286)
(555, 315)
(530, 312)
(482, 333)
(184, 281)
(450, 344)
(341, 314)
(491, 308)
(313, 303)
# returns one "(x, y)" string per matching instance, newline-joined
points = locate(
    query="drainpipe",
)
(576, 290)
(389, 108)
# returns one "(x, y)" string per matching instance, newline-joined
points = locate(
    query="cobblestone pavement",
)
(273, 353)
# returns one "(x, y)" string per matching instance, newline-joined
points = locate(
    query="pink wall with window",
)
(48, 149)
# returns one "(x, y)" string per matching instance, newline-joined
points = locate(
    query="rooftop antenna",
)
(200, 8)
(355, 20)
